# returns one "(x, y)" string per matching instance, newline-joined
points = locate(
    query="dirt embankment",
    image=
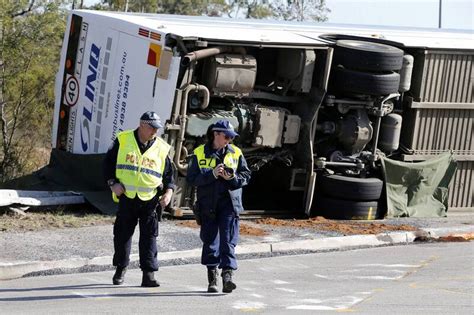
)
(343, 227)
(317, 223)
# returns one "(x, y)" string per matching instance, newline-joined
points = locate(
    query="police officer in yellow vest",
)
(219, 170)
(140, 176)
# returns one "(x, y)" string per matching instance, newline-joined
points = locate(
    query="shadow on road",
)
(78, 295)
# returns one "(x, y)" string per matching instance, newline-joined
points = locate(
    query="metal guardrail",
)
(39, 198)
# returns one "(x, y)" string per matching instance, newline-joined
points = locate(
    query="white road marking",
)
(286, 290)
(246, 305)
(91, 295)
(321, 276)
(80, 294)
(340, 303)
(315, 301)
(351, 270)
(311, 307)
(280, 282)
(390, 265)
(374, 277)
(257, 295)
(378, 277)
(378, 271)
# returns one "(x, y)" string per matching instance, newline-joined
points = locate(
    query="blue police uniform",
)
(133, 211)
(219, 203)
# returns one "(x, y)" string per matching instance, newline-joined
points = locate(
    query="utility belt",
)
(152, 205)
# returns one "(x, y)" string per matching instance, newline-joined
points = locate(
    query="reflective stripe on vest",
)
(140, 174)
(231, 159)
(140, 189)
(135, 168)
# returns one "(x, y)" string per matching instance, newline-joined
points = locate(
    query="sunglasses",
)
(227, 137)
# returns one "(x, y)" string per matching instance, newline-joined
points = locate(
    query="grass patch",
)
(41, 218)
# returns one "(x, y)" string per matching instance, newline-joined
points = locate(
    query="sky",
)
(456, 14)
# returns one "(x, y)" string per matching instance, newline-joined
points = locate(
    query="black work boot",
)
(119, 275)
(228, 285)
(212, 278)
(148, 279)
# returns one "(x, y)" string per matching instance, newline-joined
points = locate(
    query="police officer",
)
(219, 170)
(140, 176)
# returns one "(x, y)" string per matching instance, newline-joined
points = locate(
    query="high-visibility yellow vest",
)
(231, 159)
(140, 174)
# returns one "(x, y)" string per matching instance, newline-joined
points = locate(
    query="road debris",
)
(343, 227)
(448, 238)
(39, 198)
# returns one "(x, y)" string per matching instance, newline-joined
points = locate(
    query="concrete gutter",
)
(19, 269)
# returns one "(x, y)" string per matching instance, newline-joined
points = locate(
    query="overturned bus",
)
(316, 106)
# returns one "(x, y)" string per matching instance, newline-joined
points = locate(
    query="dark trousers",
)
(220, 234)
(129, 213)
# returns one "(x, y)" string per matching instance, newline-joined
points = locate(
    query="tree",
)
(291, 10)
(184, 7)
(193, 7)
(288, 10)
(30, 42)
(250, 9)
(300, 10)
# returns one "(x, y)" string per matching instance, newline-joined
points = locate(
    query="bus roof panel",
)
(289, 33)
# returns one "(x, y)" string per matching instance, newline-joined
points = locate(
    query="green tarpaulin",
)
(418, 189)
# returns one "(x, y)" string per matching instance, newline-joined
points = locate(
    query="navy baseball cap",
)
(152, 119)
(225, 127)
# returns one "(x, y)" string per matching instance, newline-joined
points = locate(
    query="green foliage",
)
(184, 7)
(193, 7)
(293, 10)
(288, 10)
(30, 43)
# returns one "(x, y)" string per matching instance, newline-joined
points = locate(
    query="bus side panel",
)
(134, 89)
(94, 81)
(107, 80)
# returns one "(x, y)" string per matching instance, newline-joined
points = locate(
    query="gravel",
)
(97, 241)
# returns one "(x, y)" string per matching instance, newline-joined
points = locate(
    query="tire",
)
(368, 56)
(335, 37)
(356, 82)
(351, 188)
(338, 209)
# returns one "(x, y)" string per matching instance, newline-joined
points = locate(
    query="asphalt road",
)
(427, 278)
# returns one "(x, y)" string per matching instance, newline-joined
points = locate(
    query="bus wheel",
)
(339, 209)
(351, 188)
(367, 56)
(352, 81)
